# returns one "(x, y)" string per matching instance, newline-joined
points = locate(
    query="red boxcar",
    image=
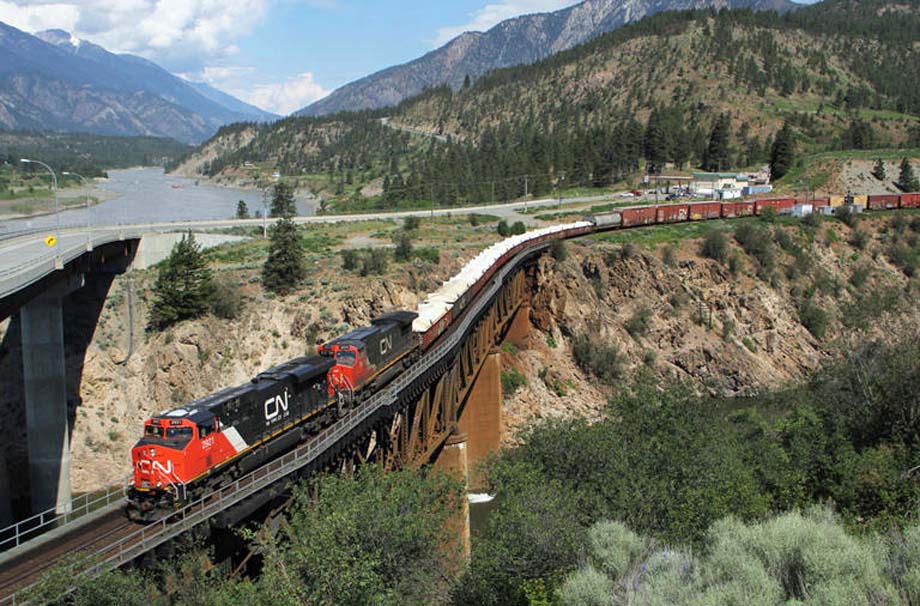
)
(705, 210)
(730, 210)
(883, 201)
(910, 200)
(820, 202)
(782, 206)
(672, 213)
(640, 215)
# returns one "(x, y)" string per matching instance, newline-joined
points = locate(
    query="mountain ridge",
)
(54, 81)
(516, 41)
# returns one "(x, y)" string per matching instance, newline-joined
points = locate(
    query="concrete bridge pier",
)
(453, 460)
(45, 388)
(481, 418)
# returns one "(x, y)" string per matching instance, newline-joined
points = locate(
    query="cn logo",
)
(276, 407)
(145, 466)
(386, 344)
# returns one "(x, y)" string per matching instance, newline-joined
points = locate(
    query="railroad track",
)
(27, 567)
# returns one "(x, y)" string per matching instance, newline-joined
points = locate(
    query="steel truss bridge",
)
(403, 425)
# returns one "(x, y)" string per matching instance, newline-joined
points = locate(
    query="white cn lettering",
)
(386, 344)
(167, 470)
(276, 406)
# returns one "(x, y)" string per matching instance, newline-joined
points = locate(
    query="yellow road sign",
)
(50, 240)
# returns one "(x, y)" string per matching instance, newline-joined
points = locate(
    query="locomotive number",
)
(386, 344)
(276, 407)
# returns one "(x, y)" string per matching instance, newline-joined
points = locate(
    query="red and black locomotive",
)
(194, 448)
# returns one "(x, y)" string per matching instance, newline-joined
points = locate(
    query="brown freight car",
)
(705, 210)
(640, 215)
(782, 206)
(882, 201)
(910, 200)
(730, 210)
(672, 213)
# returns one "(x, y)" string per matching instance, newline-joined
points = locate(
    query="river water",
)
(147, 195)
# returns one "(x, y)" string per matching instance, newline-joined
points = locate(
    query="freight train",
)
(190, 450)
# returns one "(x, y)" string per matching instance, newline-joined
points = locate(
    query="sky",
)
(280, 55)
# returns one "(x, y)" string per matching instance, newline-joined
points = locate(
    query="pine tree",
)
(717, 153)
(183, 288)
(283, 201)
(284, 268)
(782, 155)
(878, 171)
(907, 179)
(242, 211)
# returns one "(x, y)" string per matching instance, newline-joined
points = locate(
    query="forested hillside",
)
(679, 90)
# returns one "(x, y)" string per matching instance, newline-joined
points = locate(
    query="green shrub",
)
(227, 302)
(518, 228)
(814, 319)
(640, 322)
(859, 239)
(503, 229)
(756, 241)
(558, 250)
(669, 256)
(714, 246)
(512, 380)
(603, 361)
(587, 587)
(350, 259)
(613, 548)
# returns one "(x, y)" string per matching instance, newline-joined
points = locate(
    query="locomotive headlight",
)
(144, 453)
(153, 452)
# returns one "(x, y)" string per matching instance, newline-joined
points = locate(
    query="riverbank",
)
(30, 207)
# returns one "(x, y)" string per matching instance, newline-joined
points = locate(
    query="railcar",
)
(192, 448)
(370, 356)
(882, 202)
(910, 201)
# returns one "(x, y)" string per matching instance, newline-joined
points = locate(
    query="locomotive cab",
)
(176, 448)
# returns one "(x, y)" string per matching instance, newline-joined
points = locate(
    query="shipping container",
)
(836, 201)
(755, 190)
(782, 206)
(861, 200)
(699, 211)
(642, 215)
(802, 210)
(882, 202)
(672, 213)
(910, 200)
(820, 202)
(604, 220)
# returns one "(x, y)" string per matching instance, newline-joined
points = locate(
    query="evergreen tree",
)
(783, 153)
(183, 288)
(717, 153)
(879, 170)
(907, 179)
(284, 268)
(242, 211)
(283, 201)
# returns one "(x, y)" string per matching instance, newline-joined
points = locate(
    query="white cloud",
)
(282, 97)
(493, 14)
(183, 35)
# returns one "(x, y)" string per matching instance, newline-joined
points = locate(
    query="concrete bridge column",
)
(481, 418)
(453, 460)
(45, 387)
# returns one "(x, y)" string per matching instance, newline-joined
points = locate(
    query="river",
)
(148, 195)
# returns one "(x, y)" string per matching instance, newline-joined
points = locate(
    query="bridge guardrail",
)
(30, 528)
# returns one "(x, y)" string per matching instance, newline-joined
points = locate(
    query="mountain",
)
(232, 103)
(53, 81)
(515, 41)
(841, 73)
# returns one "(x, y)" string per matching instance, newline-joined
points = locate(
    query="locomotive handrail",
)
(78, 509)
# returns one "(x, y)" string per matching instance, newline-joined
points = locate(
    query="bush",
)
(846, 215)
(603, 361)
(428, 254)
(814, 319)
(373, 263)
(558, 250)
(503, 229)
(587, 587)
(403, 241)
(714, 245)
(350, 259)
(768, 214)
(227, 302)
(640, 322)
(518, 228)
(859, 239)
(613, 548)
(669, 256)
(756, 241)
(411, 223)
(512, 380)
